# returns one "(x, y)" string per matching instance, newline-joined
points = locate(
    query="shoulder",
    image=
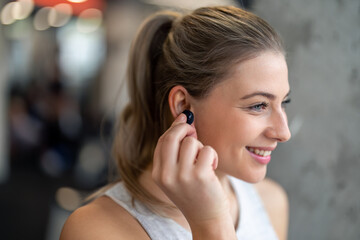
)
(272, 193)
(102, 219)
(276, 203)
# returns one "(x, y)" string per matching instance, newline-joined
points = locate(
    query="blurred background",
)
(62, 63)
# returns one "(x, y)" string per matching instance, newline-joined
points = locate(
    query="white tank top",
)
(253, 224)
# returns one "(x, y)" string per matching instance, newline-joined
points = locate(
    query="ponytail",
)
(138, 128)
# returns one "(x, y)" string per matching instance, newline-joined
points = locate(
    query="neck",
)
(223, 178)
(148, 183)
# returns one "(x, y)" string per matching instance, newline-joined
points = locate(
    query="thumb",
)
(179, 119)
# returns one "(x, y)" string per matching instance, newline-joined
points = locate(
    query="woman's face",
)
(244, 118)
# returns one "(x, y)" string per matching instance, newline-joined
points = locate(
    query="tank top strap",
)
(254, 223)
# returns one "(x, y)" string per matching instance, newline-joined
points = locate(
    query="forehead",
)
(267, 72)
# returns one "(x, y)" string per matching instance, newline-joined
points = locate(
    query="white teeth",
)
(267, 153)
(260, 152)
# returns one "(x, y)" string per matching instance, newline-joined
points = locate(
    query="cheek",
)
(239, 131)
(207, 124)
(225, 129)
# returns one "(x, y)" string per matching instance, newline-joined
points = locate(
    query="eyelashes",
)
(286, 102)
(259, 107)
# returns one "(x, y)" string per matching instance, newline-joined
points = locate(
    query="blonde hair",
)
(194, 50)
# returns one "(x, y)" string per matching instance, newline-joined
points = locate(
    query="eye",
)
(259, 107)
(285, 102)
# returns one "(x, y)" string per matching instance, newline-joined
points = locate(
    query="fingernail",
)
(215, 164)
(181, 118)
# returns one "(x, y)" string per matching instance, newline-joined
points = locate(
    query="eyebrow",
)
(264, 94)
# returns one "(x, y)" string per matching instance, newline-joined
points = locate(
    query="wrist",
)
(219, 228)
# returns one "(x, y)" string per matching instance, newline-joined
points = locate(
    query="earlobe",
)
(178, 100)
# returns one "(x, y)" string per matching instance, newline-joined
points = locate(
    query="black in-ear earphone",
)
(189, 116)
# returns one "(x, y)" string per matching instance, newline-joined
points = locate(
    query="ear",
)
(179, 100)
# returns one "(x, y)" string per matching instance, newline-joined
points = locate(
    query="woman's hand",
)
(184, 169)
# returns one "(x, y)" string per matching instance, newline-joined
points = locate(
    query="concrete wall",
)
(319, 166)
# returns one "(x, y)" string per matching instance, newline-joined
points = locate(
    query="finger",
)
(167, 149)
(181, 118)
(207, 159)
(156, 158)
(170, 144)
(189, 150)
(170, 141)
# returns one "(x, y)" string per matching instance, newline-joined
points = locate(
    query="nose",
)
(279, 129)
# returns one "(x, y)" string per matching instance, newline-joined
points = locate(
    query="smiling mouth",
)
(262, 153)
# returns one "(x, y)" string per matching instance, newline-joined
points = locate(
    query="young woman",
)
(182, 181)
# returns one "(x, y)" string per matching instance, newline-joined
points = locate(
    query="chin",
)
(255, 180)
(252, 176)
(257, 177)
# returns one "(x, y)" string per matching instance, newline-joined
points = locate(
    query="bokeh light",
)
(91, 164)
(77, 1)
(22, 9)
(41, 19)
(68, 198)
(52, 163)
(91, 158)
(7, 16)
(89, 20)
(60, 14)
